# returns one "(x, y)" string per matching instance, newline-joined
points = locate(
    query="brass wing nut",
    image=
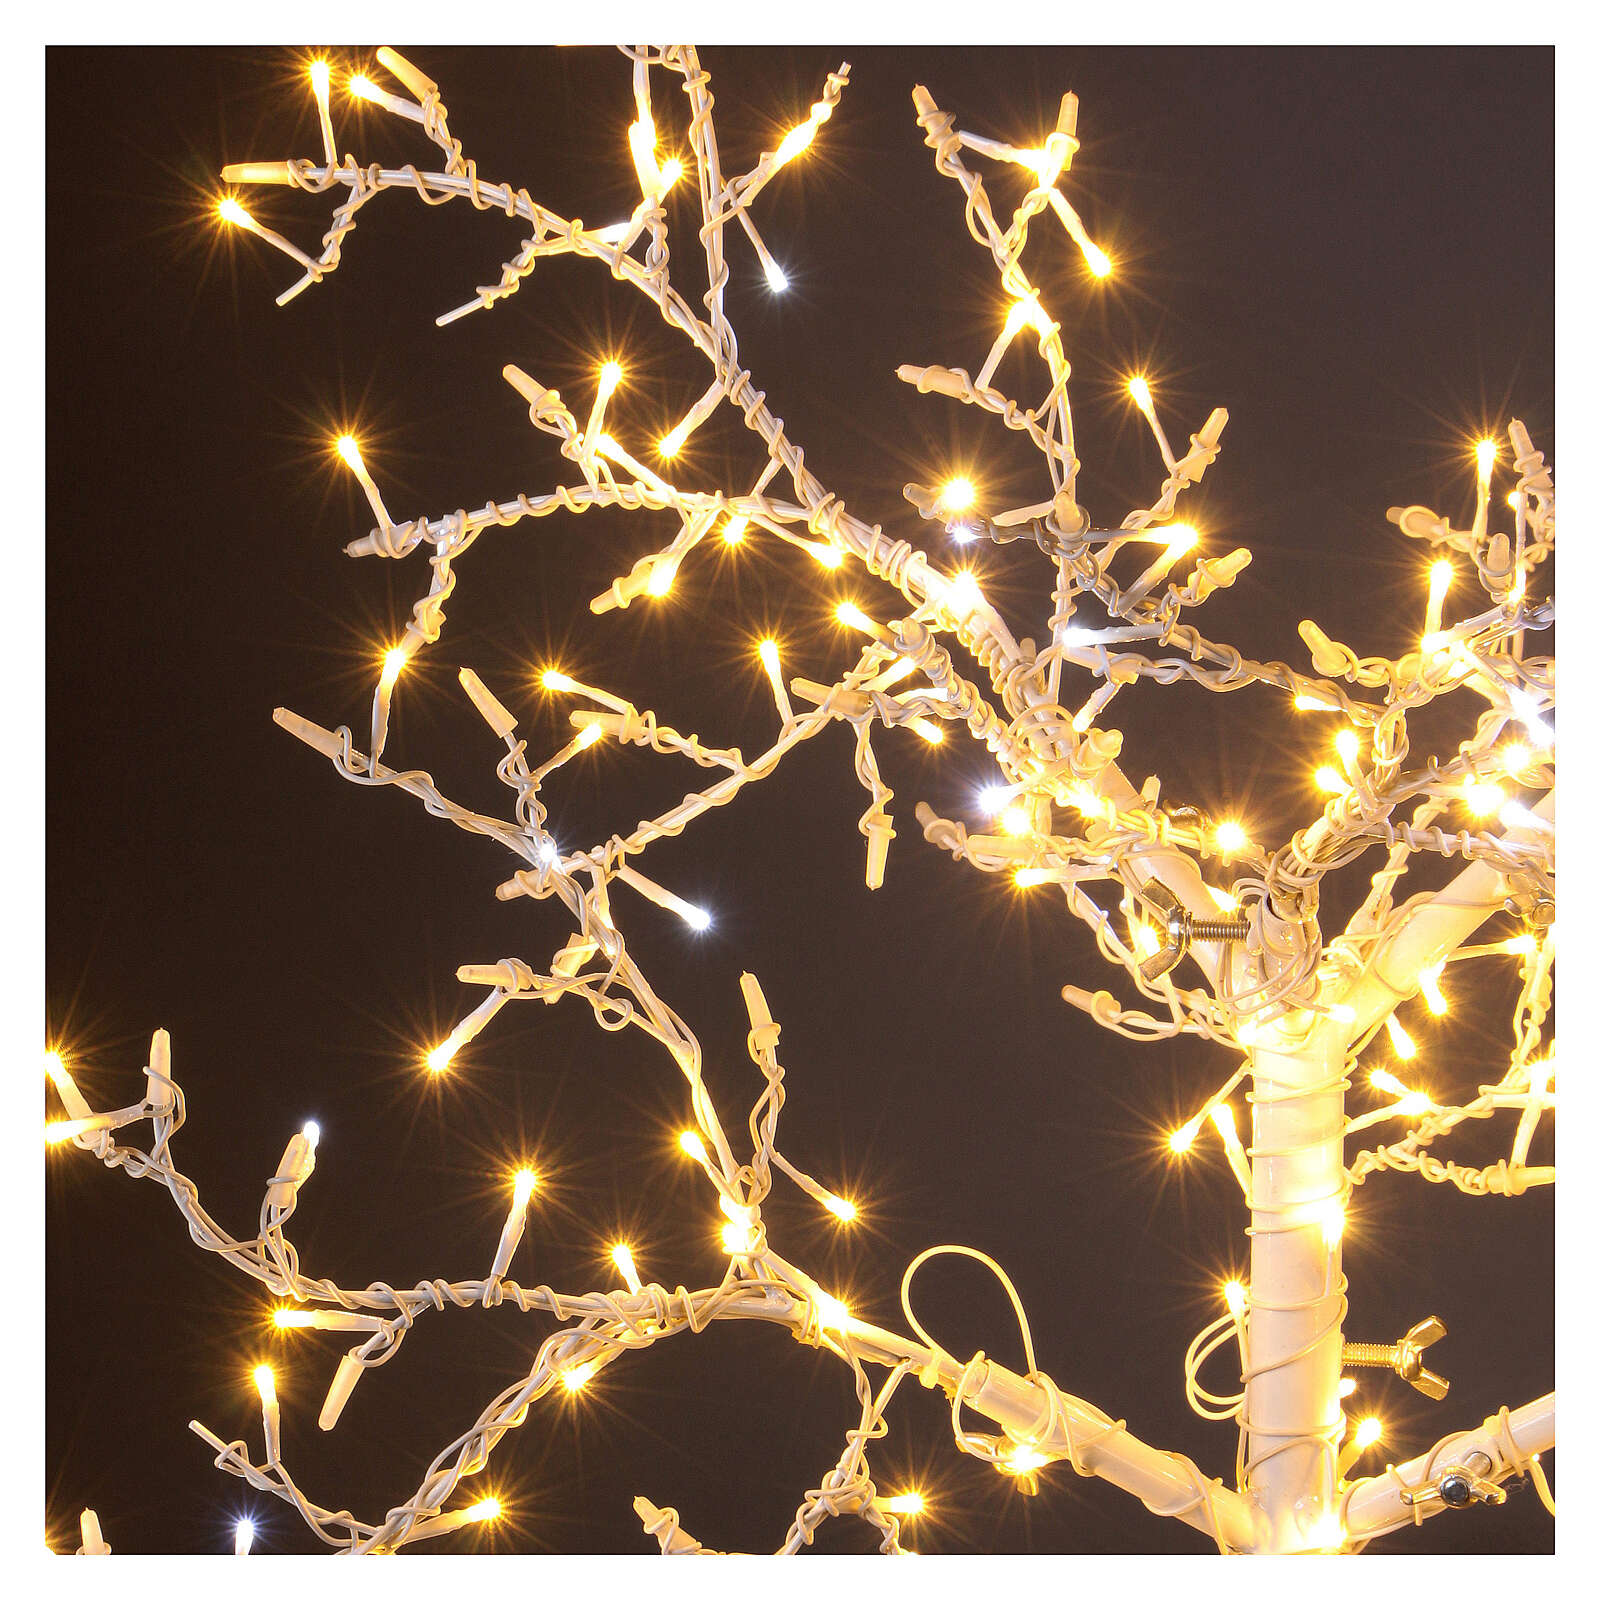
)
(1404, 1357)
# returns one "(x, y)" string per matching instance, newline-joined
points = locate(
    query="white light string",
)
(1296, 1010)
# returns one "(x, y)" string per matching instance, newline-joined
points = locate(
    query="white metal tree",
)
(1289, 1007)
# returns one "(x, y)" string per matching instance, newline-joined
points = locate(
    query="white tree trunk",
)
(1294, 1335)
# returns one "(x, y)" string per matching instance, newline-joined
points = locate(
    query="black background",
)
(1351, 249)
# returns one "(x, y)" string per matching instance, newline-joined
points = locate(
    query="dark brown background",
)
(1352, 250)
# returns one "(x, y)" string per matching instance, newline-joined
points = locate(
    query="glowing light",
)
(1015, 821)
(853, 616)
(575, 1377)
(964, 591)
(1331, 782)
(1428, 982)
(931, 731)
(558, 680)
(622, 1260)
(697, 918)
(1222, 1117)
(1347, 1387)
(1387, 1082)
(1342, 1013)
(1023, 312)
(733, 529)
(230, 210)
(1330, 1216)
(363, 86)
(1440, 576)
(905, 1505)
(1523, 945)
(776, 280)
(311, 1132)
(610, 377)
(265, 1386)
(393, 661)
(1513, 814)
(661, 577)
(738, 1238)
(827, 555)
(794, 141)
(1181, 538)
(1328, 1533)
(1030, 877)
(1485, 451)
(244, 1530)
(1348, 746)
(1099, 261)
(1399, 1038)
(992, 797)
(523, 1185)
(768, 651)
(1140, 390)
(590, 735)
(843, 1209)
(671, 172)
(484, 1511)
(831, 1313)
(290, 1317)
(1514, 500)
(1231, 838)
(1311, 702)
(691, 1144)
(319, 78)
(1515, 758)
(1233, 1293)
(1483, 799)
(1180, 1139)
(441, 1056)
(349, 451)
(673, 442)
(1024, 1458)
(1526, 710)
(1369, 1430)
(60, 1132)
(1086, 802)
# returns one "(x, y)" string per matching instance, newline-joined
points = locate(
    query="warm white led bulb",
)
(1404, 1046)
(1180, 1139)
(957, 495)
(1231, 838)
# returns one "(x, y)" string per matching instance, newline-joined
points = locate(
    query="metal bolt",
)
(1404, 1357)
(1182, 929)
